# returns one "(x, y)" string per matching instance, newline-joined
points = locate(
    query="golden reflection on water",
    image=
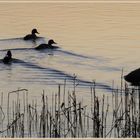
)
(94, 25)
(107, 30)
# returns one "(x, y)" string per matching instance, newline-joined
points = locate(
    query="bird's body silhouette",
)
(47, 46)
(8, 58)
(133, 77)
(31, 36)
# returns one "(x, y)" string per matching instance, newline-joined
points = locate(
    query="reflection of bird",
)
(8, 58)
(47, 46)
(133, 77)
(31, 36)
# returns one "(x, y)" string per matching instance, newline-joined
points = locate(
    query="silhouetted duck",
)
(133, 77)
(31, 36)
(47, 46)
(8, 58)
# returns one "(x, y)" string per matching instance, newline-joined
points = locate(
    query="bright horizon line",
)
(69, 1)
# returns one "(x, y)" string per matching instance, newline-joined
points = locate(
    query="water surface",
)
(96, 41)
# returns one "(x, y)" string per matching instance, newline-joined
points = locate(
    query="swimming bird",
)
(8, 58)
(133, 77)
(47, 46)
(31, 36)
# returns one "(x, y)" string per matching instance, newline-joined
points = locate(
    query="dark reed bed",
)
(65, 116)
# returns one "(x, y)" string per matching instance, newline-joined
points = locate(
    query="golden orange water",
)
(106, 33)
(96, 40)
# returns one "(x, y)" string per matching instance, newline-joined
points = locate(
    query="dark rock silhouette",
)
(31, 36)
(133, 77)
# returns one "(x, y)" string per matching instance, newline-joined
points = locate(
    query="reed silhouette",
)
(66, 116)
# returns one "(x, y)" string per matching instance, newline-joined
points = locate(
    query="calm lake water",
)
(96, 40)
